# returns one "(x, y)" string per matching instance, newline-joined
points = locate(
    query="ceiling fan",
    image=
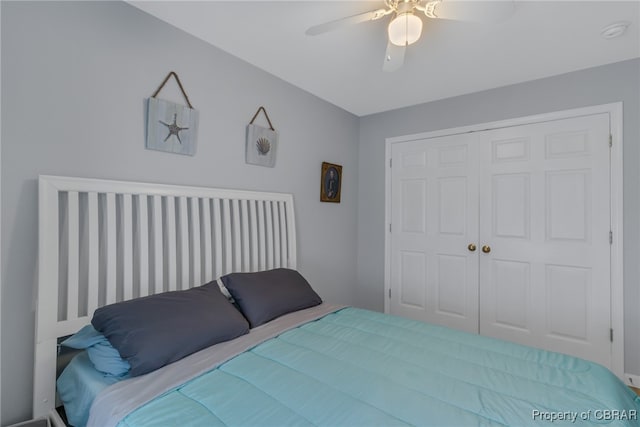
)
(405, 27)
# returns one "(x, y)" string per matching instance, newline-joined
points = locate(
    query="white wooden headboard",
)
(103, 241)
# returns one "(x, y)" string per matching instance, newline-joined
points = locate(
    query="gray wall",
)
(74, 76)
(601, 85)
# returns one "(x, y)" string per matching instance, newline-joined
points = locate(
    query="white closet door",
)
(434, 218)
(544, 212)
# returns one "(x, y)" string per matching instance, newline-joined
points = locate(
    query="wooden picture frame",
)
(330, 182)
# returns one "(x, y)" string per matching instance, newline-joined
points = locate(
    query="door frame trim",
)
(616, 206)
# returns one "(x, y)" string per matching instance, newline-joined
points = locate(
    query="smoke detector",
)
(614, 30)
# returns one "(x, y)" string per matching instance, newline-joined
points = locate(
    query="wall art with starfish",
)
(171, 127)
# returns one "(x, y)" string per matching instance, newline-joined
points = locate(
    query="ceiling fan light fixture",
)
(405, 29)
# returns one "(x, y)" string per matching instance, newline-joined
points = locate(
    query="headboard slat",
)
(157, 255)
(195, 241)
(283, 230)
(276, 233)
(254, 236)
(127, 247)
(226, 237)
(217, 234)
(111, 283)
(237, 242)
(244, 212)
(170, 237)
(206, 233)
(92, 253)
(183, 220)
(261, 237)
(124, 240)
(73, 256)
(142, 244)
(269, 228)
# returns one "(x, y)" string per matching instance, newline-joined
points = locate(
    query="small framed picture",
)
(330, 182)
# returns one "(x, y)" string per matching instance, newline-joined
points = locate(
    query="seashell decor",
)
(263, 145)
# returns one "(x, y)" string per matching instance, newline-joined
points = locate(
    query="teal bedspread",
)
(360, 368)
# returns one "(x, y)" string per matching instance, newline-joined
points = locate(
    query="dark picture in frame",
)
(330, 182)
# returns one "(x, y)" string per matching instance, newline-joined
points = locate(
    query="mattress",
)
(78, 385)
(357, 367)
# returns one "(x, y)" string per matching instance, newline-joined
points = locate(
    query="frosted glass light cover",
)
(405, 29)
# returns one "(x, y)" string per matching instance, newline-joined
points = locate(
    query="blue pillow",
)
(103, 355)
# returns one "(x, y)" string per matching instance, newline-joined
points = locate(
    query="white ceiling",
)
(541, 38)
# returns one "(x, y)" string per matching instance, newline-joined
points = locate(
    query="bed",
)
(114, 250)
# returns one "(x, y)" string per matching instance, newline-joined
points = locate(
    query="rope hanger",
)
(186, 98)
(265, 114)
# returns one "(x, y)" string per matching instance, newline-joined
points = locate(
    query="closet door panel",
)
(434, 218)
(544, 212)
(512, 282)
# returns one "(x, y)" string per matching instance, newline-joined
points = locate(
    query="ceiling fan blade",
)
(393, 58)
(473, 11)
(344, 22)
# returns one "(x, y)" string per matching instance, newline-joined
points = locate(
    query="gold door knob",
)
(471, 247)
(486, 249)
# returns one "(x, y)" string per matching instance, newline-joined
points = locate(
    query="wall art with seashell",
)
(261, 146)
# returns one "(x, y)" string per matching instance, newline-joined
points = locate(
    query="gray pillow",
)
(265, 295)
(153, 331)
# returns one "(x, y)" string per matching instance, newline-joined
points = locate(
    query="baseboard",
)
(632, 380)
